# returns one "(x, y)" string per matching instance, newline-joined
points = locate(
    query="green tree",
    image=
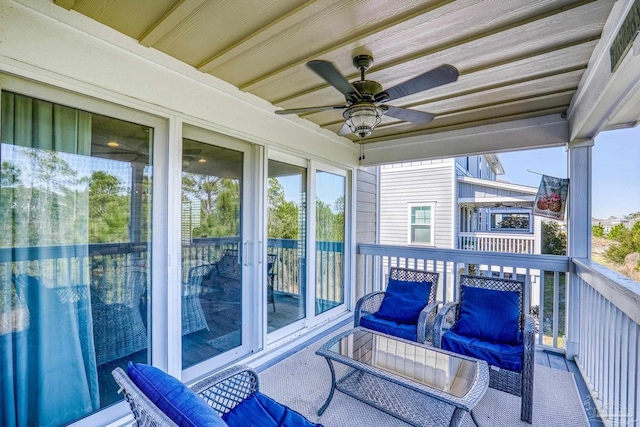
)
(554, 240)
(618, 232)
(283, 215)
(628, 241)
(109, 212)
(514, 222)
(597, 230)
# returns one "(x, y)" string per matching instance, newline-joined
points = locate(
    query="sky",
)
(616, 171)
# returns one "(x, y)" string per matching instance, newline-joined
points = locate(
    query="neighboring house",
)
(458, 204)
(611, 222)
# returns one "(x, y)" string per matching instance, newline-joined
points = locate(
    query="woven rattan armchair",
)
(516, 383)
(193, 318)
(222, 392)
(118, 326)
(370, 303)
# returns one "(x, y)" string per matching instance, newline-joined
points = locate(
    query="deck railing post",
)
(578, 232)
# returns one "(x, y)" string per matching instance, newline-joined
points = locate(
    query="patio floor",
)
(302, 381)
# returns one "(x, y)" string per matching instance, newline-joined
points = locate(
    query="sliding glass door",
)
(330, 211)
(214, 288)
(286, 252)
(75, 251)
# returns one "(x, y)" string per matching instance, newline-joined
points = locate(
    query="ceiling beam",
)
(66, 4)
(172, 18)
(602, 94)
(537, 132)
(306, 11)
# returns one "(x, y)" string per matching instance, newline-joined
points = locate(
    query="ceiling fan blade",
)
(311, 109)
(330, 73)
(344, 130)
(437, 77)
(408, 115)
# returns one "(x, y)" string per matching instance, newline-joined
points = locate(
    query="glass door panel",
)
(75, 199)
(330, 230)
(212, 187)
(286, 252)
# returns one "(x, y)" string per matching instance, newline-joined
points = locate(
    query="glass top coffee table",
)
(419, 384)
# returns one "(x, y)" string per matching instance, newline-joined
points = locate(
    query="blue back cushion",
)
(488, 315)
(403, 301)
(172, 397)
(259, 410)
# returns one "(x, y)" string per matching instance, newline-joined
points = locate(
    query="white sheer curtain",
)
(48, 374)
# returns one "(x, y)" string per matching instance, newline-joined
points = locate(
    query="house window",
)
(515, 221)
(421, 218)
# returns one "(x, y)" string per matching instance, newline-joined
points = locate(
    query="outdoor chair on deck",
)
(193, 318)
(271, 276)
(407, 309)
(229, 398)
(490, 323)
(117, 320)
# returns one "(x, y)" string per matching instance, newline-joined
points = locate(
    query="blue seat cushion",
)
(401, 330)
(404, 300)
(506, 356)
(172, 397)
(488, 315)
(259, 410)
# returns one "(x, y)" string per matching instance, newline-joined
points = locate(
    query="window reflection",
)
(211, 264)
(74, 250)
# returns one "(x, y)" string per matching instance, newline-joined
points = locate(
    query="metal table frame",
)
(401, 397)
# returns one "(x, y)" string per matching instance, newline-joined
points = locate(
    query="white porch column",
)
(578, 231)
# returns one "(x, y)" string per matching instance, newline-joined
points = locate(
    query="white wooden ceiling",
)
(517, 59)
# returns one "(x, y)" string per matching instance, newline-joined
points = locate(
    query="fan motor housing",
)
(367, 88)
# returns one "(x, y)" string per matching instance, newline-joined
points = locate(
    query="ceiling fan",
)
(365, 98)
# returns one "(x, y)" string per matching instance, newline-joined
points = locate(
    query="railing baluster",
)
(556, 306)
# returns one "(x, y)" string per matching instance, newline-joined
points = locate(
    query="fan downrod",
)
(362, 63)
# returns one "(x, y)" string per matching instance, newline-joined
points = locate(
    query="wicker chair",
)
(370, 303)
(271, 276)
(117, 321)
(516, 383)
(193, 318)
(222, 392)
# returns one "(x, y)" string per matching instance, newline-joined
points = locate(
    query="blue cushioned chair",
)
(489, 322)
(229, 398)
(407, 309)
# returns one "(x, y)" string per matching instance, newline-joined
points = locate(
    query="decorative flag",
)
(552, 197)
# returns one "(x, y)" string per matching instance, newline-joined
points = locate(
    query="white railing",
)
(544, 277)
(609, 345)
(497, 242)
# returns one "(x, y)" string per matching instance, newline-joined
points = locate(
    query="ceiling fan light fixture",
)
(363, 118)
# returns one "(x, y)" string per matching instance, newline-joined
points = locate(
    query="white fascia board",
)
(602, 94)
(498, 184)
(538, 132)
(494, 161)
(63, 48)
(496, 199)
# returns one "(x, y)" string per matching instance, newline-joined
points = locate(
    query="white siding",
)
(400, 185)
(366, 217)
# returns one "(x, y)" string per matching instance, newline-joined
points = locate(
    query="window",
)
(421, 218)
(511, 221)
(76, 197)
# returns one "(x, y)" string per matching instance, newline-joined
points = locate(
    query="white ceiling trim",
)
(498, 184)
(537, 132)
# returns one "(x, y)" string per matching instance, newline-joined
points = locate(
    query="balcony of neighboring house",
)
(496, 216)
